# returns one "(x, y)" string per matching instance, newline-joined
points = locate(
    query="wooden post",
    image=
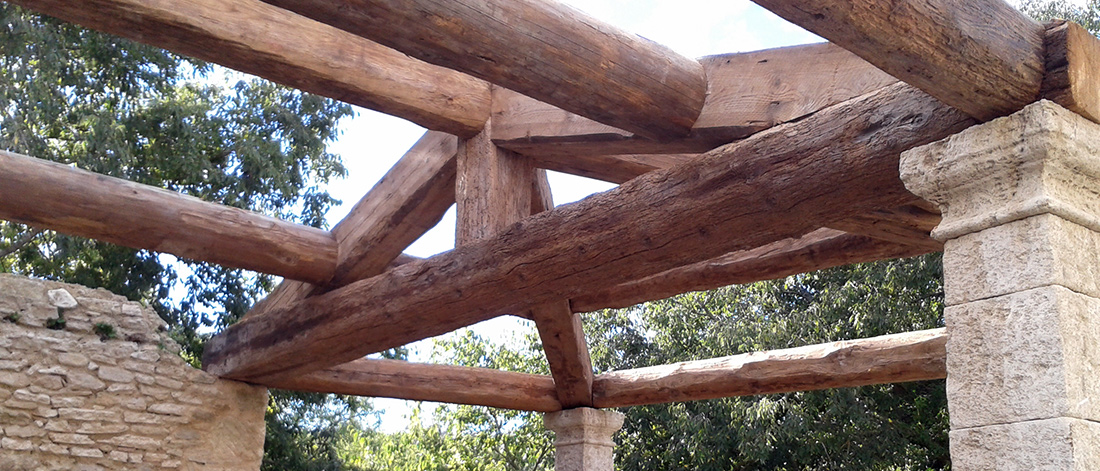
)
(1021, 232)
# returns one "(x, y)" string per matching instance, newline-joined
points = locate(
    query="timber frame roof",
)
(733, 168)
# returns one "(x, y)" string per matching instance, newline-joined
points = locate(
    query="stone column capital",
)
(1042, 159)
(584, 425)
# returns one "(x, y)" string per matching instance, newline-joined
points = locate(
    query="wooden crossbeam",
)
(837, 163)
(911, 356)
(50, 195)
(540, 48)
(823, 248)
(748, 92)
(1073, 69)
(909, 225)
(270, 42)
(428, 382)
(408, 201)
(980, 56)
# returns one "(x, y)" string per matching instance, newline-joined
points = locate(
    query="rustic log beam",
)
(907, 225)
(408, 201)
(540, 48)
(980, 56)
(748, 92)
(253, 37)
(50, 195)
(563, 341)
(610, 168)
(911, 356)
(837, 163)
(428, 382)
(820, 249)
(1073, 69)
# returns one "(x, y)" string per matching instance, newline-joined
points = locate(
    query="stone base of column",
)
(583, 438)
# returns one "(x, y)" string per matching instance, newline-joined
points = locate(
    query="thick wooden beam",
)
(908, 225)
(1073, 69)
(980, 56)
(428, 382)
(837, 163)
(540, 48)
(748, 92)
(253, 37)
(912, 356)
(823, 248)
(50, 195)
(610, 168)
(566, 349)
(408, 201)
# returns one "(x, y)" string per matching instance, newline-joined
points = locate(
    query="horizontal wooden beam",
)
(980, 56)
(253, 37)
(820, 249)
(610, 168)
(748, 92)
(408, 201)
(1073, 69)
(837, 163)
(428, 382)
(911, 356)
(540, 48)
(58, 197)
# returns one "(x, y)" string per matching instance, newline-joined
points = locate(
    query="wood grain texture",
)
(493, 191)
(540, 48)
(747, 92)
(906, 225)
(820, 249)
(408, 201)
(428, 382)
(1073, 69)
(253, 37)
(542, 199)
(980, 56)
(563, 341)
(780, 183)
(58, 197)
(911, 356)
(610, 168)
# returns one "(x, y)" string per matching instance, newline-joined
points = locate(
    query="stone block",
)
(1037, 251)
(25, 431)
(115, 374)
(1026, 356)
(1059, 444)
(14, 379)
(583, 438)
(13, 444)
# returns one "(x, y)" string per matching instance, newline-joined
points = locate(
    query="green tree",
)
(128, 110)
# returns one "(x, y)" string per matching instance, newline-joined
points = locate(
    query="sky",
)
(371, 142)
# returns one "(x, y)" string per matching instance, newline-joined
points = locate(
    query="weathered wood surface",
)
(748, 92)
(1073, 69)
(911, 356)
(566, 349)
(908, 225)
(542, 199)
(50, 195)
(777, 184)
(408, 201)
(428, 382)
(493, 191)
(980, 56)
(253, 37)
(540, 48)
(820, 249)
(610, 168)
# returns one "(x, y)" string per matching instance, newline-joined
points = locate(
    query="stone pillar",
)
(583, 438)
(1020, 197)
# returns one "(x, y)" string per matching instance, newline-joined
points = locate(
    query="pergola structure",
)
(733, 168)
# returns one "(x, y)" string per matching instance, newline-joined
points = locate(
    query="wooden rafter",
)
(53, 196)
(270, 42)
(748, 92)
(837, 163)
(540, 48)
(407, 202)
(911, 356)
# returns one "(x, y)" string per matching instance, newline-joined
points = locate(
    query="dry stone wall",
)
(106, 389)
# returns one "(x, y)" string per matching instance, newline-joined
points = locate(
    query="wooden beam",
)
(408, 201)
(428, 382)
(540, 48)
(980, 56)
(275, 44)
(1073, 69)
(912, 356)
(837, 163)
(907, 225)
(748, 92)
(50, 195)
(823, 248)
(562, 335)
(610, 168)
(542, 199)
